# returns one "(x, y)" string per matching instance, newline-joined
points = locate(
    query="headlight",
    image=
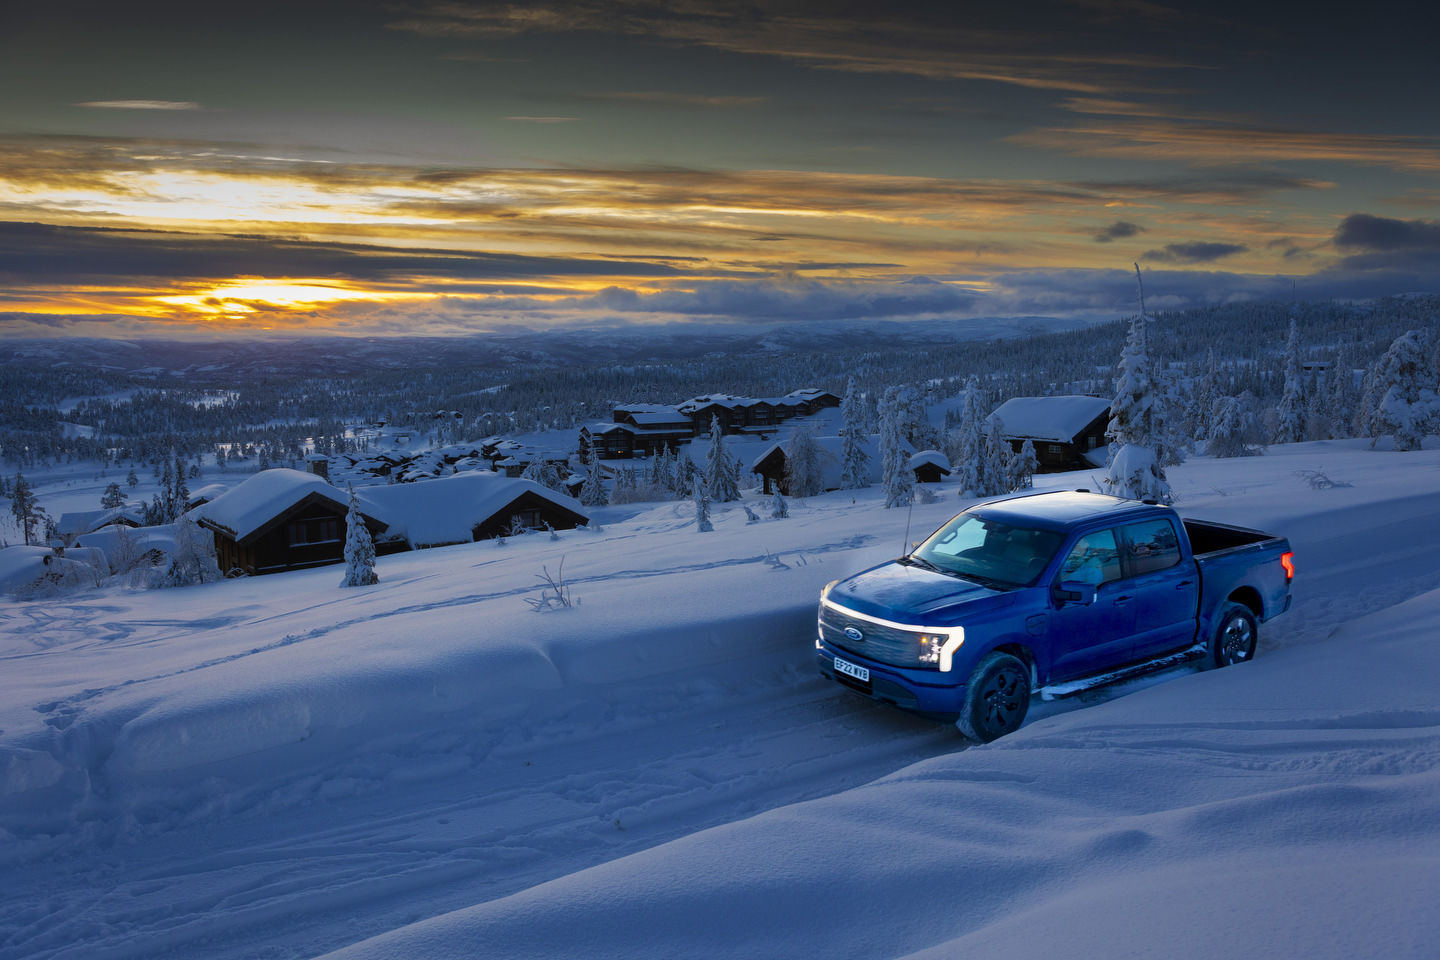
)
(939, 648)
(930, 645)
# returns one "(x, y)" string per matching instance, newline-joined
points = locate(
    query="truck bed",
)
(1208, 537)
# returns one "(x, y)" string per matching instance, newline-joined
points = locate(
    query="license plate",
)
(850, 669)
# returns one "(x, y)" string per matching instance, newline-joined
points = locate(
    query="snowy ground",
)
(277, 767)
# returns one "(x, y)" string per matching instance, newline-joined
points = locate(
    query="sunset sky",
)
(454, 167)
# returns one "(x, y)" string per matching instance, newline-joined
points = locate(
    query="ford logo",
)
(854, 634)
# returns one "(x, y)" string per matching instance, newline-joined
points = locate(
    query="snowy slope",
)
(277, 767)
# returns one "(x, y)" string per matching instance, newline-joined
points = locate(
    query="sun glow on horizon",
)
(241, 298)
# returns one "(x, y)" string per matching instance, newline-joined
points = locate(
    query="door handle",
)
(1119, 600)
(1183, 584)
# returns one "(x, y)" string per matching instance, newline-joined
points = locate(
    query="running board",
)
(1069, 688)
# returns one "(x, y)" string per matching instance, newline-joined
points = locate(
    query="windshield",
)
(992, 553)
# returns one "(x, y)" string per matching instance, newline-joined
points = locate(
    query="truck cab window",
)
(1095, 559)
(1150, 546)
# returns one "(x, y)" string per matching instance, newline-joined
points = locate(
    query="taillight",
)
(1287, 560)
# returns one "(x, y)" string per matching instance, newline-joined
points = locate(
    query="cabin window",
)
(1054, 448)
(304, 533)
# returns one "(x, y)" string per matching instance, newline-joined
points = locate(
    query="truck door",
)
(1165, 590)
(1086, 637)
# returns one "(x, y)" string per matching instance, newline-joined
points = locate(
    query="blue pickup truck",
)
(1049, 590)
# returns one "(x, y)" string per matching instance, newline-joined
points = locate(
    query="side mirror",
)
(1075, 591)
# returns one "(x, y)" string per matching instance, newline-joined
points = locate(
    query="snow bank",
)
(1290, 807)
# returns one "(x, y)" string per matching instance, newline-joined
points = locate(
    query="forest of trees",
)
(1225, 361)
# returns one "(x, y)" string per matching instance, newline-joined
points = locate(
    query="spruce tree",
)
(854, 461)
(966, 441)
(720, 477)
(359, 548)
(113, 497)
(701, 496)
(592, 492)
(1404, 387)
(1290, 420)
(1022, 470)
(896, 477)
(1134, 469)
(24, 507)
(802, 464)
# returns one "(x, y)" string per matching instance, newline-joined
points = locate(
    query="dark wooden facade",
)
(533, 512)
(308, 534)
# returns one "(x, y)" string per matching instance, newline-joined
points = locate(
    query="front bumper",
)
(920, 691)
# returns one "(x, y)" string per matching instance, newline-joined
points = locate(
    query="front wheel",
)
(1235, 638)
(996, 698)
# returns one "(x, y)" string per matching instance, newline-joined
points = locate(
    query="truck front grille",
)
(878, 641)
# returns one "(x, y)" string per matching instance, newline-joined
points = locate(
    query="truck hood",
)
(903, 593)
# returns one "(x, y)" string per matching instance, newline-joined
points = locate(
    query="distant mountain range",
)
(300, 356)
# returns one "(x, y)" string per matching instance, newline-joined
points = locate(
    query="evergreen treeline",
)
(141, 416)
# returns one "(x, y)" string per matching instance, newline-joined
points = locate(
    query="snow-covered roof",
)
(930, 456)
(207, 493)
(650, 418)
(83, 521)
(1057, 419)
(263, 497)
(447, 510)
(137, 540)
(21, 565)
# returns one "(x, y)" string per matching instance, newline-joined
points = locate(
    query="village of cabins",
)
(285, 519)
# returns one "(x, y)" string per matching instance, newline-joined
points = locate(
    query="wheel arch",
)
(1249, 597)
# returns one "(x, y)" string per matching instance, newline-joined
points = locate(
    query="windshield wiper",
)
(921, 562)
(990, 583)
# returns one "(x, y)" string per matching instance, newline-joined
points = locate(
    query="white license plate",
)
(850, 669)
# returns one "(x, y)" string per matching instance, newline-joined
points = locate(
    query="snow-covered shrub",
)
(1235, 431)
(554, 591)
(779, 509)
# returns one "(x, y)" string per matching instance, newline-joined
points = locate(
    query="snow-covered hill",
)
(278, 767)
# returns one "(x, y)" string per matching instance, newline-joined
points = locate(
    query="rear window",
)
(1150, 546)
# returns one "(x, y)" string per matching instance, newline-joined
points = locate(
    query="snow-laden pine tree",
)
(130, 479)
(997, 458)
(1404, 383)
(1204, 393)
(1340, 382)
(1290, 415)
(1134, 469)
(701, 496)
(359, 548)
(896, 478)
(1172, 445)
(915, 424)
(854, 461)
(779, 509)
(720, 478)
(113, 497)
(1234, 429)
(965, 441)
(24, 508)
(803, 476)
(194, 558)
(1022, 469)
(592, 491)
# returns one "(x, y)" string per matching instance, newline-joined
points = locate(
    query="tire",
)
(1235, 636)
(996, 698)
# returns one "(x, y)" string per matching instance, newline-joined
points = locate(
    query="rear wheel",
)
(1235, 638)
(996, 698)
